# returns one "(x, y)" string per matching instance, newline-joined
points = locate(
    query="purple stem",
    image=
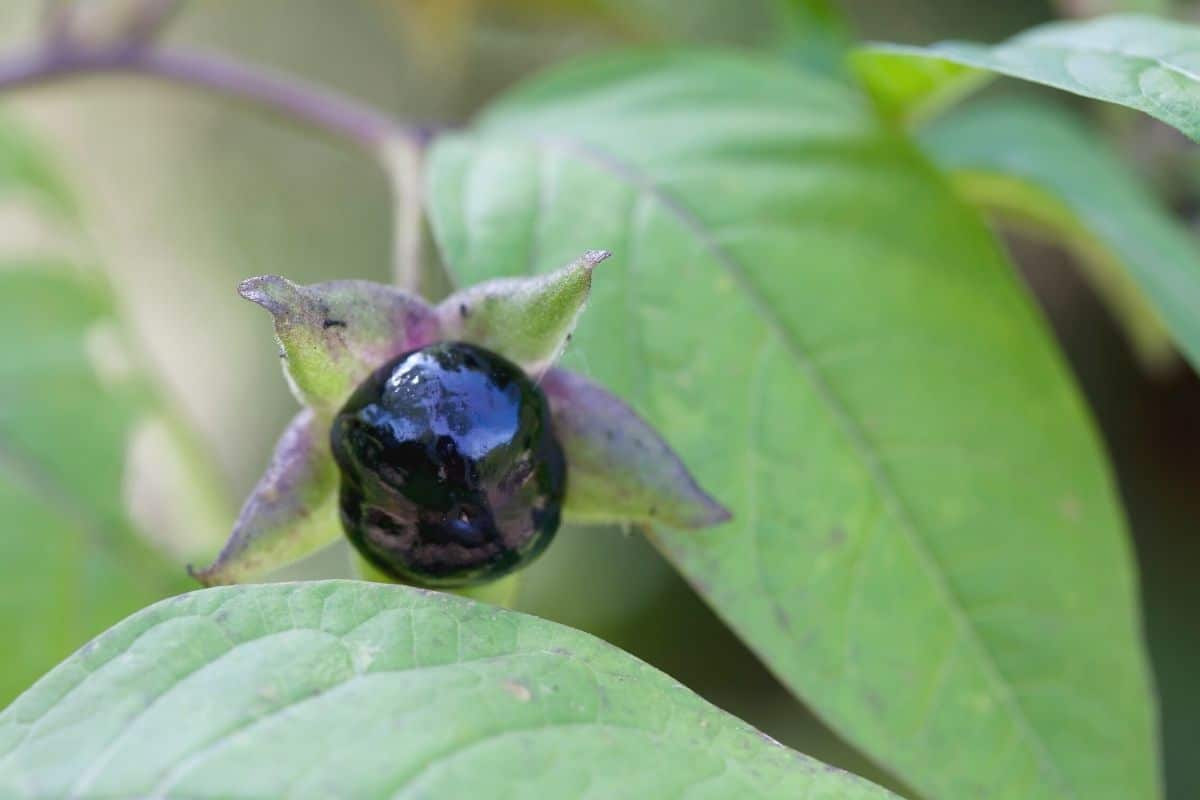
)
(335, 114)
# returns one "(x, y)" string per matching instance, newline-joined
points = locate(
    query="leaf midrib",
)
(860, 443)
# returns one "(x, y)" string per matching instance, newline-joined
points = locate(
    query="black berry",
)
(451, 473)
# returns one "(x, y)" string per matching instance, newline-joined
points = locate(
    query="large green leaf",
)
(1142, 62)
(926, 545)
(1038, 165)
(347, 689)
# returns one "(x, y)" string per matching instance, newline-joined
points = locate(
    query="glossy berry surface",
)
(450, 471)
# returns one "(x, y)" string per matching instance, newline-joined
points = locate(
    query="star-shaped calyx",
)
(336, 336)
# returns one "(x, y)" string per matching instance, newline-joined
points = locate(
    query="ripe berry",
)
(451, 473)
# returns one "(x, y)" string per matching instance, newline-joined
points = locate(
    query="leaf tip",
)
(593, 257)
(272, 292)
(701, 510)
(206, 577)
(714, 514)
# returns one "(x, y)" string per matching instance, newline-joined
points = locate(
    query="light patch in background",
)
(185, 518)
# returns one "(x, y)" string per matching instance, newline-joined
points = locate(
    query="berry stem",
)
(406, 166)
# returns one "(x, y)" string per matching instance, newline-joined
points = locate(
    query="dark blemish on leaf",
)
(654, 511)
(333, 323)
(875, 702)
(837, 537)
(782, 617)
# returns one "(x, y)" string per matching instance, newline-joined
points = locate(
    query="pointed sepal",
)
(333, 335)
(526, 320)
(291, 513)
(619, 468)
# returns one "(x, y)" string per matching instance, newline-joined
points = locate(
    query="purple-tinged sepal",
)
(333, 335)
(619, 469)
(291, 513)
(526, 320)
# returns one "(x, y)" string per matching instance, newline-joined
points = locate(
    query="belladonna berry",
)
(450, 471)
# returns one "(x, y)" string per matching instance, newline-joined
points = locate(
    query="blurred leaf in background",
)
(1095, 8)
(70, 562)
(1037, 166)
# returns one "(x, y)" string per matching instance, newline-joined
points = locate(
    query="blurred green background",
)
(183, 195)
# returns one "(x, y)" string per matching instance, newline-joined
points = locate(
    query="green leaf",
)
(1144, 63)
(70, 561)
(911, 90)
(291, 513)
(812, 34)
(1035, 165)
(333, 335)
(348, 689)
(621, 471)
(527, 320)
(926, 545)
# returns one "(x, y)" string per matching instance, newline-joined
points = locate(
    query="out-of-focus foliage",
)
(1096, 8)
(1039, 167)
(1136, 61)
(70, 562)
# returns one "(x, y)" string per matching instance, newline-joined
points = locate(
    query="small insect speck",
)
(333, 323)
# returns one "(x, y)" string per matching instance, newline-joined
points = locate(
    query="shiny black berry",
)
(450, 471)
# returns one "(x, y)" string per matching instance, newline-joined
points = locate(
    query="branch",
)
(397, 148)
(334, 114)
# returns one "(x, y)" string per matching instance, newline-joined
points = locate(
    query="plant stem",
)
(397, 148)
(337, 115)
(405, 162)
